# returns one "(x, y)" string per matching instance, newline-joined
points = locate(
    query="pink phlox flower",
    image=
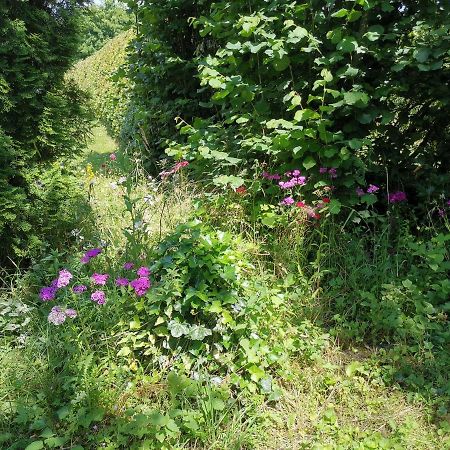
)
(56, 316)
(143, 271)
(323, 170)
(128, 265)
(441, 212)
(70, 313)
(372, 189)
(98, 297)
(270, 177)
(79, 289)
(448, 202)
(359, 192)
(100, 278)
(397, 197)
(287, 201)
(296, 173)
(141, 285)
(332, 172)
(47, 293)
(64, 278)
(112, 157)
(122, 282)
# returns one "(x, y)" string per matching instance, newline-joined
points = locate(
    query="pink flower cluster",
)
(396, 197)
(174, 169)
(58, 315)
(371, 189)
(99, 278)
(48, 293)
(332, 171)
(98, 297)
(141, 285)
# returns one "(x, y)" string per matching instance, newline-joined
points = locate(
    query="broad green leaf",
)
(36, 445)
(354, 97)
(334, 206)
(309, 162)
(354, 15)
(341, 13)
(306, 114)
(282, 63)
(348, 44)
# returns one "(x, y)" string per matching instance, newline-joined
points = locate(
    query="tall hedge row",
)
(360, 86)
(42, 118)
(96, 75)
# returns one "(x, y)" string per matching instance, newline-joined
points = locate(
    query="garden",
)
(224, 225)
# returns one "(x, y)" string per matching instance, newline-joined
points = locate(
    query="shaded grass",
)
(99, 148)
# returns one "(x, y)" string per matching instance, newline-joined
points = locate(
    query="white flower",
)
(121, 180)
(113, 185)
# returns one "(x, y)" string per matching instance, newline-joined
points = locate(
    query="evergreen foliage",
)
(42, 117)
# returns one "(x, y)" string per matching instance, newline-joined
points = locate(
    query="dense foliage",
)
(96, 76)
(42, 117)
(100, 23)
(347, 85)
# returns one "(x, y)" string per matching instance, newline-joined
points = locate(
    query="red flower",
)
(317, 216)
(241, 190)
(326, 200)
(300, 204)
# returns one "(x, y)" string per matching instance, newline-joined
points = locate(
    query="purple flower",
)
(122, 282)
(287, 201)
(71, 313)
(90, 254)
(296, 173)
(79, 289)
(141, 285)
(47, 293)
(359, 192)
(98, 297)
(372, 189)
(100, 278)
(448, 202)
(93, 253)
(128, 265)
(332, 172)
(323, 170)
(397, 197)
(64, 278)
(143, 271)
(56, 316)
(441, 212)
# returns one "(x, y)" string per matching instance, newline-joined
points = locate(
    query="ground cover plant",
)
(253, 250)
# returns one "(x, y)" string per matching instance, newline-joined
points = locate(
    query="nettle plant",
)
(207, 309)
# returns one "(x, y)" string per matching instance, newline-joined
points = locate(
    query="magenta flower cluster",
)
(371, 189)
(141, 285)
(99, 278)
(98, 297)
(48, 293)
(331, 171)
(396, 197)
(90, 254)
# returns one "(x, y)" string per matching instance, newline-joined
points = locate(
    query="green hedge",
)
(109, 93)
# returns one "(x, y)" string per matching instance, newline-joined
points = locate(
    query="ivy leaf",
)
(178, 329)
(199, 332)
